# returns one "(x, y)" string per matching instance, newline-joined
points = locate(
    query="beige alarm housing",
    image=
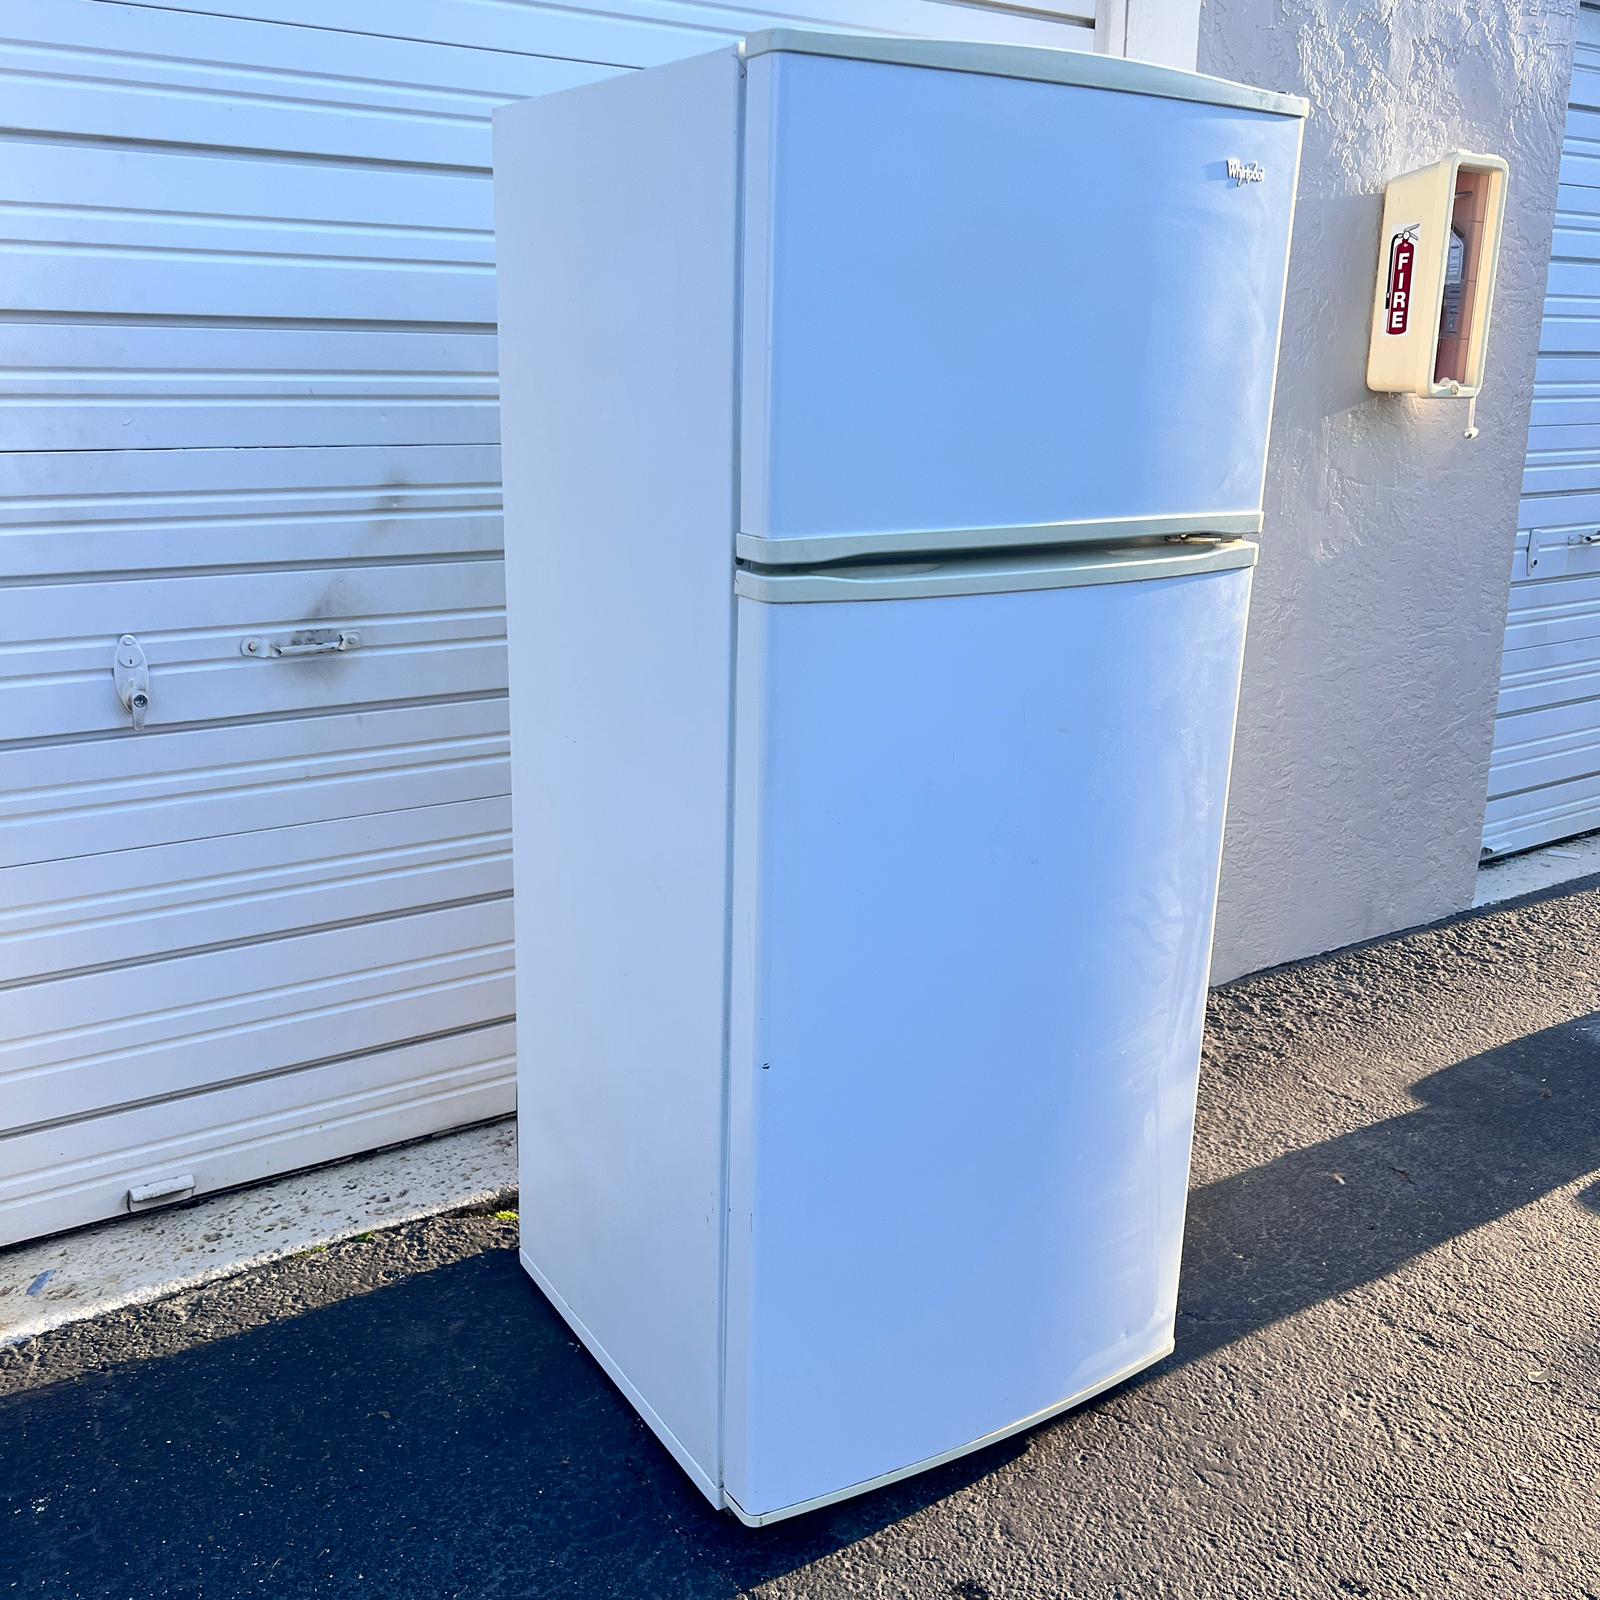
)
(1437, 256)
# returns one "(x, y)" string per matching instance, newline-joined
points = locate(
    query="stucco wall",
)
(1380, 599)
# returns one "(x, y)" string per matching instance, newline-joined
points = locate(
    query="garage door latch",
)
(1551, 553)
(132, 674)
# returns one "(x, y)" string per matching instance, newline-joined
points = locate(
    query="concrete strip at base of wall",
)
(134, 1260)
(1534, 871)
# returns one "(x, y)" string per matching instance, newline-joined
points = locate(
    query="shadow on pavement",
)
(1492, 1133)
(445, 1436)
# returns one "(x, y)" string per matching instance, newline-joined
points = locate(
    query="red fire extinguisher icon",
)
(1397, 303)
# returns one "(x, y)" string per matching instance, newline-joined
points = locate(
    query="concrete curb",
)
(132, 1261)
(1556, 866)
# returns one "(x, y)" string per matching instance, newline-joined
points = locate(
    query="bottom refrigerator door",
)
(976, 845)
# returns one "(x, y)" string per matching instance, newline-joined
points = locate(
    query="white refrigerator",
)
(884, 428)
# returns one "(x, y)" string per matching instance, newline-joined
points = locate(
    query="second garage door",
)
(1544, 778)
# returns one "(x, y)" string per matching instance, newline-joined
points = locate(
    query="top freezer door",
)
(982, 310)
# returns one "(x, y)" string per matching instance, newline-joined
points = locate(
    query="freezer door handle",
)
(915, 580)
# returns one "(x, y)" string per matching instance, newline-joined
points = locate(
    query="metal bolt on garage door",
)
(1544, 776)
(248, 378)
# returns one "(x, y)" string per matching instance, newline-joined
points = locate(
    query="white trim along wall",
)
(1163, 31)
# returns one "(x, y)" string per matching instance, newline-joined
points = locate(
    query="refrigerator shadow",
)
(443, 1436)
(446, 1435)
(1492, 1133)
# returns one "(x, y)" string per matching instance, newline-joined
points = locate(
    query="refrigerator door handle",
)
(915, 580)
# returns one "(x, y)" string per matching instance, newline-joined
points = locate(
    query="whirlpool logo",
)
(1243, 172)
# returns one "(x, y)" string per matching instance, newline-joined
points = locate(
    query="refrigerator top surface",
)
(1035, 62)
(995, 573)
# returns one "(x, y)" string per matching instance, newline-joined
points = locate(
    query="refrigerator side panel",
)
(616, 214)
(991, 311)
(977, 841)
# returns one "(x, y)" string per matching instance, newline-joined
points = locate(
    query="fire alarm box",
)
(1437, 256)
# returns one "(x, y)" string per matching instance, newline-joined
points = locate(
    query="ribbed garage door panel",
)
(247, 376)
(645, 33)
(256, 1127)
(1544, 776)
(248, 339)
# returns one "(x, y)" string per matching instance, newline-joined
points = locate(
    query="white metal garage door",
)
(1544, 778)
(247, 375)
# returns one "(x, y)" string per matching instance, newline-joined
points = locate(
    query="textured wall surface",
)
(1380, 600)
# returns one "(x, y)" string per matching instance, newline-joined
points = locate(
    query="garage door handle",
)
(163, 1191)
(257, 646)
(131, 674)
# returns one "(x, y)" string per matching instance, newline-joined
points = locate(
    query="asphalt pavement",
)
(1387, 1380)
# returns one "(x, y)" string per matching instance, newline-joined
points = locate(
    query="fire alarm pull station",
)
(1436, 267)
